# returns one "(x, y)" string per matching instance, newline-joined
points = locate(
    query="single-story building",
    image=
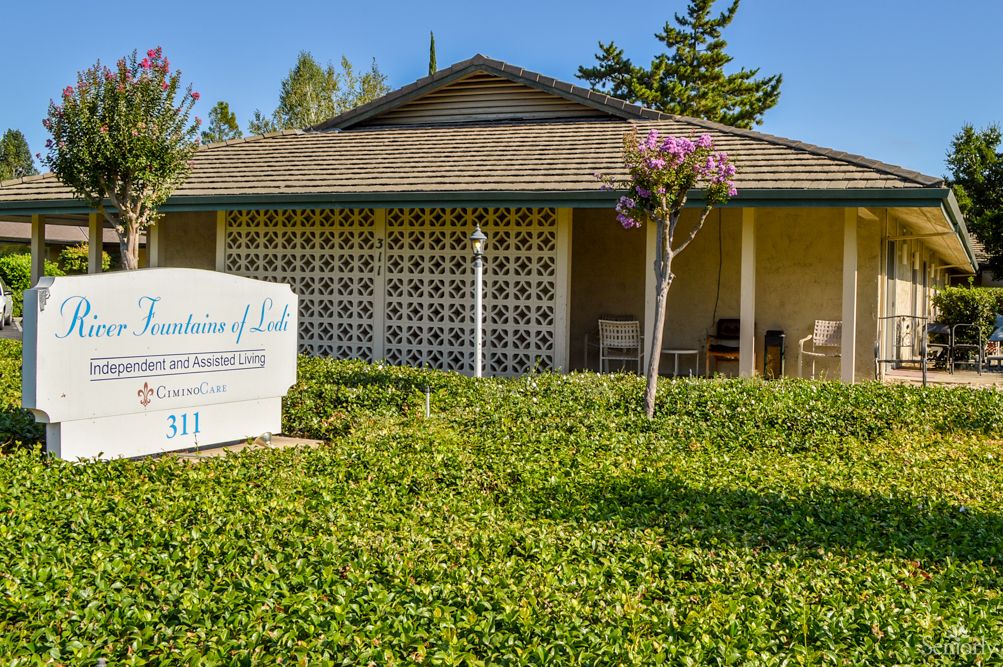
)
(367, 216)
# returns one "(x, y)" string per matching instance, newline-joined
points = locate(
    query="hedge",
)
(15, 270)
(540, 520)
(75, 259)
(969, 305)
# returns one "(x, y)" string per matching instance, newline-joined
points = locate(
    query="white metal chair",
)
(826, 343)
(619, 341)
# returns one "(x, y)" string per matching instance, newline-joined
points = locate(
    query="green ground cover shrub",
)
(16, 273)
(540, 520)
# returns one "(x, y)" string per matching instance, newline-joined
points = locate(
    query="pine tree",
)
(689, 79)
(312, 94)
(432, 67)
(222, 125)
(15, 156)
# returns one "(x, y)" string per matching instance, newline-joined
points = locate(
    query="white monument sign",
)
(140, 362)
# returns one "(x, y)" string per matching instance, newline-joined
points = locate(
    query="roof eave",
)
(592, 198)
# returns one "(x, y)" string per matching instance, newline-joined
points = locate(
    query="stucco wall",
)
(188, 240)
(607, 275)
(799, 278)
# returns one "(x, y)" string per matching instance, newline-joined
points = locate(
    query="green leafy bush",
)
(17, 426)
(16, 273)
(969, 305)
(540, 520)
(74, 259)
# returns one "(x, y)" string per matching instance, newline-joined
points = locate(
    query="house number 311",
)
(178, 424)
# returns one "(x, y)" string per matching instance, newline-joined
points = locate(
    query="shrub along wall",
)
(16, 273)
(969, 305)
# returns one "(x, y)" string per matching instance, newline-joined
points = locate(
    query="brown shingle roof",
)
(501, 156)
(513, 156)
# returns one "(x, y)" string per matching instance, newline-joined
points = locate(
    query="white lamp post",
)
(477, 240)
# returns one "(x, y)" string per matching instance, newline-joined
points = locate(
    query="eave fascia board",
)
(954, 217)
(747, 198)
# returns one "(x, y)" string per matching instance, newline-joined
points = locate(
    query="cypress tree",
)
(432, 68)
(688, 79)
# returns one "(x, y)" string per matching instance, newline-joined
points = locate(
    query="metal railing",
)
(906, 337)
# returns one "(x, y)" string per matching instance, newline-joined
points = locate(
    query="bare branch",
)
(696, 230)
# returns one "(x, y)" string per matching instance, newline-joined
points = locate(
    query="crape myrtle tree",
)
(124, 137)
(662, 171)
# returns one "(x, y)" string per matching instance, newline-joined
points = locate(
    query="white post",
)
(37, 248)
(747, 333)
(153, 246)
(849, 342)
(478, 316)
(95, 243)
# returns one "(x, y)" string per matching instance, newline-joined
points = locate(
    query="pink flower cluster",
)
(668, 165)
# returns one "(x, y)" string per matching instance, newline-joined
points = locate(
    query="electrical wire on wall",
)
(720, 261)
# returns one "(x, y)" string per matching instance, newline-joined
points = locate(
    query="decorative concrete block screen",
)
(397, 284)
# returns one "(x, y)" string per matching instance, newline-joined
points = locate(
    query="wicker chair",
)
(619, 341)
(826, 343)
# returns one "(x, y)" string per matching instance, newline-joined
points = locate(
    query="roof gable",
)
(481, 96)
(481, 89)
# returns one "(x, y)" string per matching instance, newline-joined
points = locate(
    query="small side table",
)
(676, 353)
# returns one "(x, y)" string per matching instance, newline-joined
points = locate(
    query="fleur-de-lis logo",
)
(144, 394)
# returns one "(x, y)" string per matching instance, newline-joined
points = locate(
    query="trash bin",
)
(773, 354)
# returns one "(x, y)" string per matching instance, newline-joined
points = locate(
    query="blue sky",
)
(892, 80)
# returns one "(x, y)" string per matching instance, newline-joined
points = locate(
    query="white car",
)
(6, 306)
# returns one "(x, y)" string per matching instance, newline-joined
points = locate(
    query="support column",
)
(153, 246)
(95, 242)
(562, 284)
(221, 240)
(747, 341)
(651, 236)
(849, 342)
(37, 248)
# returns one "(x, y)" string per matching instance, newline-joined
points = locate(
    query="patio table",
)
(676, 353)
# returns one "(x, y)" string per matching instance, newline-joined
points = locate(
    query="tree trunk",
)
(663, 279)
(128, 243)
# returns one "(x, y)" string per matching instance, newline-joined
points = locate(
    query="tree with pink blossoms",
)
(123, 140)
(662, 172)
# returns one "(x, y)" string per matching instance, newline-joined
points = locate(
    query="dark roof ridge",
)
(253, 137)
(17, 180)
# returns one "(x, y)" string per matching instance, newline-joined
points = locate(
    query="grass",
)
(540, 520)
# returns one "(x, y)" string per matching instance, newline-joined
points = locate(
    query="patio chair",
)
(619, 341)
(971, 334)
(826, 343)
(724, 343)
(938, 344)
(592, 336)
